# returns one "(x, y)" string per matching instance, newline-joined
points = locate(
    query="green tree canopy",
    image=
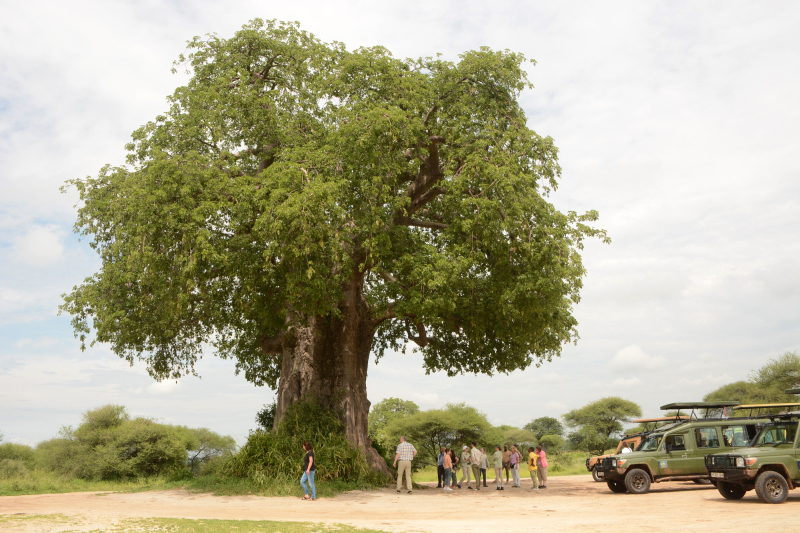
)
(764, 385)
(454, 426)
(545, 425)
(299, 205)
(384, 412)
(604, 416)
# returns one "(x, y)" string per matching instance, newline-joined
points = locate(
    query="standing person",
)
(497, 462)
(484, 466)
(440, 467)
(464, 467)
(515, 459)
(506, 461)
(309, 470)
(453, 469)
(475, 461)
(533, 458)
(447, 465)
(405, 454)
(542, 470)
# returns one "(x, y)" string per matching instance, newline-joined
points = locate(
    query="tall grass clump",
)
(271, 459)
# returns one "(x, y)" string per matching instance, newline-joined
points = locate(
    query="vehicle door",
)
(674, 454)
(707, 440)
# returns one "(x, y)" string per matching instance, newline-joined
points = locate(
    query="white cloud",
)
(626, 382)
(39, 246)
(426, 399)
(634, 358)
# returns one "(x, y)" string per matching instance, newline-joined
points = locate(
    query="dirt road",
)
(574, 503)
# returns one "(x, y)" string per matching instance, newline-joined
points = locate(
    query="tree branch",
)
(420, 201)
(408, 221)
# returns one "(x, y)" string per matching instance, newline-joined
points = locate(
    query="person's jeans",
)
(447, 474)
(515, 474)
(310, 478)
(483, 473)
(440, 474)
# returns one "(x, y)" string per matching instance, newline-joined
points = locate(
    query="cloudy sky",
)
(678, 121)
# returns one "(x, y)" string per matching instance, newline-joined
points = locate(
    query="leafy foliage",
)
(764, 385)
(204, 446)
(386, 411)
(278, 455)
(287, 167)
(454, 426)
(265, 418)
(552, 443)
(545, 425)
(597, 423)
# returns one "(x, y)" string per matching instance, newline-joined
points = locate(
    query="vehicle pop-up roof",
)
(757, 409)
(654, 421)
(693, 406)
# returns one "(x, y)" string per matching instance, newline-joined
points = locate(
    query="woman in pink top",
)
(541, 471)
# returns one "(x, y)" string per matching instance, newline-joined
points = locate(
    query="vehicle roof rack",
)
(759, 407)
(662, 419)
(792, 391)
(698, 405)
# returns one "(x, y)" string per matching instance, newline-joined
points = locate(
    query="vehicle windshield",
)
(651, 443)
(777, 433)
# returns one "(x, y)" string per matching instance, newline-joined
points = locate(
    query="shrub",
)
(17, 452)
(12, 468)
(278, 456)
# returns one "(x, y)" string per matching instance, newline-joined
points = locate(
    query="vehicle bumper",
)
(732, 475)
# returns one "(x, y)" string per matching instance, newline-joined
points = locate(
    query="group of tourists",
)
(474, 463)
(473, 460)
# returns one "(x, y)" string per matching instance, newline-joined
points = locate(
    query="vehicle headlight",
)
(740, 462)
(613, 463)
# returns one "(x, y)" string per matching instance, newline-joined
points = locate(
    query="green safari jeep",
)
(771, 466)
(676, 452)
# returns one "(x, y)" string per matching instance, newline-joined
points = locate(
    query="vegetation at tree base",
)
(276, 456)
(764, 385)
(545, 425)
(596, 423)
(300, 205)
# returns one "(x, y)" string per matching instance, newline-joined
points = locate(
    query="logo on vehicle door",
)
(663, 464)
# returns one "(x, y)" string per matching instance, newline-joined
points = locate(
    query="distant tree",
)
(517, 437)
(780, 373)
(545, 425)
(203, 445)
(385, 412)
(455, 425)
(595, 425)
(552, 443)
(746, 392)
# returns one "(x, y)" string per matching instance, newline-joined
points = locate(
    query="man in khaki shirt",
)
(475, 460)
(464, 460)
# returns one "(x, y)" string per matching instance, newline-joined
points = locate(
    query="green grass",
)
(179, 525)
(43, 482)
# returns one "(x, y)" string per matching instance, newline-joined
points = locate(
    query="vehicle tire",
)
(594, 474)
(637, 481)
(731, 491)
(702, 481)
(771, 487)
(617, 486)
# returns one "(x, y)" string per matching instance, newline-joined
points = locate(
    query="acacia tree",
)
(299, 205)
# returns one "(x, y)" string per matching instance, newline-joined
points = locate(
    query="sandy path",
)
(570, 503)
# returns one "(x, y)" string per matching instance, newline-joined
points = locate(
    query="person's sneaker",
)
(409, 492)
(470, 488)
(535, 488)
(447, 488)
(485, 485)
(502, 488)
(459, 485)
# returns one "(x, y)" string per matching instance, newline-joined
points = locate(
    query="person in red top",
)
(541, 470)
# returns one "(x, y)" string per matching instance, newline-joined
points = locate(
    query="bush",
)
(277, 456)
(12, 468)
(17, 452)
(552, 443)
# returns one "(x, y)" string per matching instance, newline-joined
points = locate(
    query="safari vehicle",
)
(770, 466)
(676, 452)
(631, 441)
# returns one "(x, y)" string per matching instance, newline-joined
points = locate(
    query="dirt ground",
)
(571, 503)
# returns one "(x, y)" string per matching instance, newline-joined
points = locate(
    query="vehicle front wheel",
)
(731, 491)
(594, 474)
(637, 481)
(616, 486)
(771, 487)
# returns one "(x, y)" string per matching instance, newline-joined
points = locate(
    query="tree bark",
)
(327, 358)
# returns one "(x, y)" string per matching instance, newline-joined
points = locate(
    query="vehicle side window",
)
(706, 438)
(675, 443)
(736, 436)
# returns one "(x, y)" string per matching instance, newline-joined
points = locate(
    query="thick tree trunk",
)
(327, 358)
